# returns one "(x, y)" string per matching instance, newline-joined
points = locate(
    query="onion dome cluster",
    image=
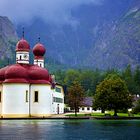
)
(26, 73)
(22, 73)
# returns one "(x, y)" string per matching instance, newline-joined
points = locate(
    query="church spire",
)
(23, 32)
(39, 39)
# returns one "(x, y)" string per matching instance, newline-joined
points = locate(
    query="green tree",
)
(128, 77)
(97, 78)
(136, 109)
(137, 80)
(60, 75)
(112, 93)
(71, 75)
(89, 79)
(86, 78)
(75, 96)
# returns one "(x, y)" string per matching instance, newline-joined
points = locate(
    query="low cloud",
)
(51, 11)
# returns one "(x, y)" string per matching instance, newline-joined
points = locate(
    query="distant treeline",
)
(89, 79)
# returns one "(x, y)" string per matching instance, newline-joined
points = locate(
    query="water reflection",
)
(69, 130)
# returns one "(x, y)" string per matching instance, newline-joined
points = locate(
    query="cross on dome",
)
(22, 44)
(23, 32)
(38, 39)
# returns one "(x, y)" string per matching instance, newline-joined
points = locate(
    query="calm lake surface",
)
(69, 130)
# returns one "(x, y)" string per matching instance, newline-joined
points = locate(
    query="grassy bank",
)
(109, 113)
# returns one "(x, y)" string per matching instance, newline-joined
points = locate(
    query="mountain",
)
(73, 46)
(8, 39)
(119, 43)
(105, 36)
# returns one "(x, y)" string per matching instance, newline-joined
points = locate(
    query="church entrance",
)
(57, 108)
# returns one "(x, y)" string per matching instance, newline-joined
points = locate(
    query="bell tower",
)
(22, 51)
(39, 52)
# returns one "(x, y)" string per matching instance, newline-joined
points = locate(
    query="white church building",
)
(28, 90)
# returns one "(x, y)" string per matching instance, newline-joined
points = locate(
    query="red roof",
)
(38, 75)
(39, 51)
(22, 45)
(2, 74)
(24, 73)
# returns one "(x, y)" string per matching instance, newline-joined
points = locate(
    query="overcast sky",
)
(55, 11)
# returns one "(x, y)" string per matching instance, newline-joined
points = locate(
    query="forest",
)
(89, 79)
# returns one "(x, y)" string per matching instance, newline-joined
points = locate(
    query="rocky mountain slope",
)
(73, 44)
(8, 39)
(106, 36)
(119, 43)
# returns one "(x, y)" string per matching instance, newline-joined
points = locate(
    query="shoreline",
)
(74, 118)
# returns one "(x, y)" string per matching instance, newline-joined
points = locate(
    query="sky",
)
(52, 11)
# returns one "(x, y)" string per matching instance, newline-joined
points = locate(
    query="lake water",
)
(69, 130)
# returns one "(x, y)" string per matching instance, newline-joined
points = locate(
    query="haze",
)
(54, 11)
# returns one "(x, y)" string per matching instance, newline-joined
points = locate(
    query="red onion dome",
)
(2, 74)
(22, 45)
(39, 50)
(16, 74)
(38, 75)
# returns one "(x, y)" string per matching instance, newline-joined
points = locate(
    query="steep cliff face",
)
(119, 43)
(71, 45)
(106, 36)
(8, 39)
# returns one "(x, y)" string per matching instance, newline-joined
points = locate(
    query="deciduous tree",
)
(112, 93)
(75, 96)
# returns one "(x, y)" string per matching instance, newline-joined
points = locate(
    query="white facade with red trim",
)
(27, 90)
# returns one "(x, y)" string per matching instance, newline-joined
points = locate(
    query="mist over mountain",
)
(96, 33)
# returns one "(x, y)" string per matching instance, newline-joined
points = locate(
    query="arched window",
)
(0, 96)
(35, 96)
(26, 96)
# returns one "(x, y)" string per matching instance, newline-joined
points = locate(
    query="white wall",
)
(44, 104)
(55, 104)
(24, 57)
(39, 62)
(88, 111)
(1, 90)
(14, 99)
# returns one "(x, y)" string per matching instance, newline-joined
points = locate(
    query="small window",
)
(53, 99)
(0, 96)
(58, 100)
(57, 89)
(26, 98)
(88, 108)
(36, 96)
(20, 57)
(83, 108)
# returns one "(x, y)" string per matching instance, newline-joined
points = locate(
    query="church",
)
(28, 90)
